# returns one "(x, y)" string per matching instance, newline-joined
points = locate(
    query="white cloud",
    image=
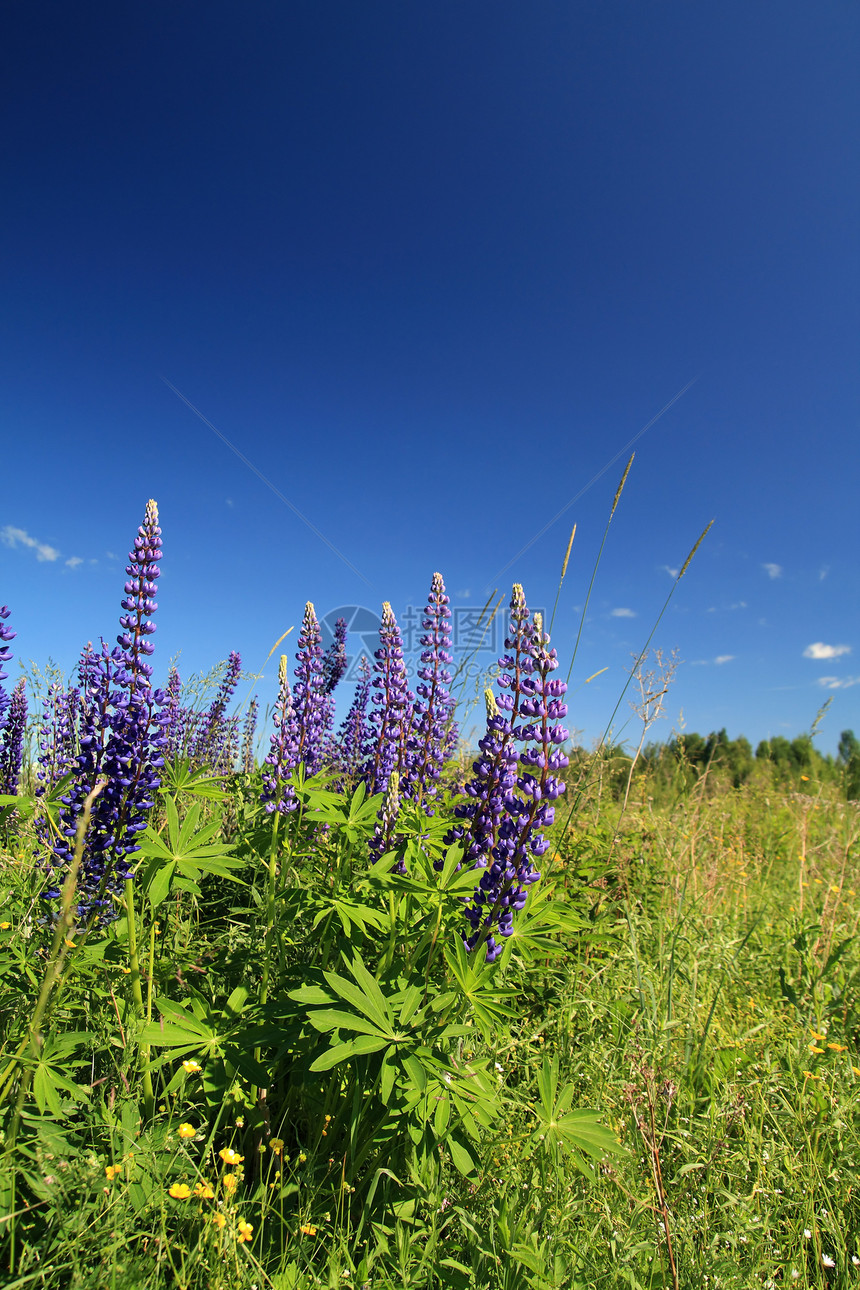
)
(838, 682)
(622, 613)
(723, 658)
(228, 501)
(14, 537)
(819, 650)
(463, 595)
(773, 570)
(673, 573)
(823, 572)
(73, 561)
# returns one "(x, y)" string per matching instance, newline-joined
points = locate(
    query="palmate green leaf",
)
(359, 1046)
(328, 1019)
(349, 912)
(539, 928)
(583, 1131)
(365, 995)
(189, 847)
(177, 777)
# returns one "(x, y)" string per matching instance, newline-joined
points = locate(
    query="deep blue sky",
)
(430, 267)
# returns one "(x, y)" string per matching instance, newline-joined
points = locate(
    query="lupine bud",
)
(283, 757)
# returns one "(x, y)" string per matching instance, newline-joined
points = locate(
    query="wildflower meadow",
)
(291, 1002)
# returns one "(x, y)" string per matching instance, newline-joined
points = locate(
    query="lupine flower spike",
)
(120, 737)
(312, 711)
(392, 714)
(12, 747)
(433, 706)
(508, 808)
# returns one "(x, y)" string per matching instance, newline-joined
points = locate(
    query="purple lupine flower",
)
(56, 737)
(120, 737)
(278, 793)
(12, 746)
(508, 808)
(312, 711)
(391, 716)
(175, 716)
(249, 731)
(212, 737)
(335, 660)
(351, 749)
(427, 740)
(6, 634)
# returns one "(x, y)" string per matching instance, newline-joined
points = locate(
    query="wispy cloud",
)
(13, 537)
(819, 650)
(622, 613)
(838, 682)
(673, 573)
(773, 570)
(823, 572)
(73, 561)
(723, 658)
(717, 662)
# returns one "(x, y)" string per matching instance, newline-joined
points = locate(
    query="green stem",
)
(137, 998)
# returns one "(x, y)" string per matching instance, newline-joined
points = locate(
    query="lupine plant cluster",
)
(358, 1015)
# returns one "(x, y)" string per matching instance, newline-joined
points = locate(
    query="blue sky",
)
(430, 268)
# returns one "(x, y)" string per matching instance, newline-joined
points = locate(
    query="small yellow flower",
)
(230, 1157)
(246, 1231)
(813, 1048)
(809, 1075)
(191, 1067)
(815, 1035)
(302, 1157)
(230, 1182)
(308, 1229)
(277, 1145)
(804, 777)
(111, 1171)
(219, 1220)
(4, 927)
(69, 942)
(180, 1191)
(838, 1048)
(856, 1070)
(203, 1191)
(240, 1121)
(186, 1130)
(124, 969)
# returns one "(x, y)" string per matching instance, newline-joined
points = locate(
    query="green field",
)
(657, 1083)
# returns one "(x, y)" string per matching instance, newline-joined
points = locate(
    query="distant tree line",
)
(687, 757)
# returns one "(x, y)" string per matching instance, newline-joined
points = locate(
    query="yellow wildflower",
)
(191, 1067)
(186, 1130)
(180, 1191)
(277, 1145)
(856, 1070)
(813, 1048)
(240, 1121)
(838, 1048)
(815, 1035)
(302, 1157)
(111, 1171)
(230, 1157)
(203, 1191)
(219, 1220)
(230, 1182)
(4, 927)
(308, 1229)
(809, 1075)
(246, 1231)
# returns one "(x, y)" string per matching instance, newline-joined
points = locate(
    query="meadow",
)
(381, 1010)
